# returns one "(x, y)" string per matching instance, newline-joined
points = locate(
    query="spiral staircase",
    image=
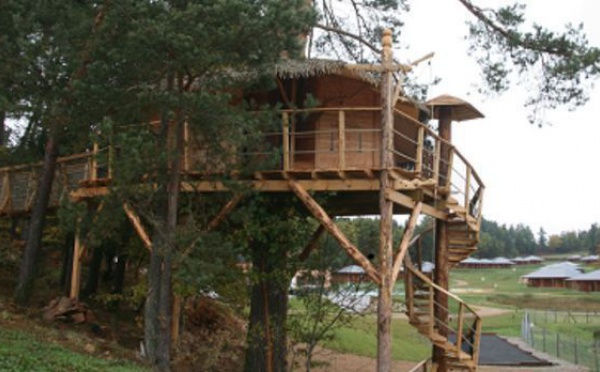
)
(463, 325)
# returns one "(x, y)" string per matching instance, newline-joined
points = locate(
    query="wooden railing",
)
(19, 184)
(463, 327)
(345, 140)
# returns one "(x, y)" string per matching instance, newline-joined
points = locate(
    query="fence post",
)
(575, 351)
(596, 355)
(557, 345)
(544, 339)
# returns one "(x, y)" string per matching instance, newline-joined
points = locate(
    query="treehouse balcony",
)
(335, 149)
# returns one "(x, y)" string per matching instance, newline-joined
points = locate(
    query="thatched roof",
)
(460, 110)
(295, 68)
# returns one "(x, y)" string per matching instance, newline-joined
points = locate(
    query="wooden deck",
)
(446, 183)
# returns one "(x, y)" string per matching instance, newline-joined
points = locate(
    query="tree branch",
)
(350, 35)
(511, 36)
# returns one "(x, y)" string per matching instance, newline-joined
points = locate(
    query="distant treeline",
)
(519, 240)
(495, 240)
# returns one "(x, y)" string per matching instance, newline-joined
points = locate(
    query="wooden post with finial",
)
(384, 306)
(442, 264)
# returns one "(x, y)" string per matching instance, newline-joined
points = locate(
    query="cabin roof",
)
(294, 68)
(591, 276)
(555, 271)
(352, 269)
(461, 109)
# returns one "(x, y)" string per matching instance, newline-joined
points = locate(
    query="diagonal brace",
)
(405, 242)
(312, 244)
(137, 224)
(332, 228)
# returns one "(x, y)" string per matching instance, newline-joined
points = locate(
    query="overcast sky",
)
(543, 177)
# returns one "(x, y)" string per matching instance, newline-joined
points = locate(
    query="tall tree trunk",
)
(3, 139)
(267, 338)
(151, 324)
(67, 264)
(167, 210)
(36, 226)
(91, 284)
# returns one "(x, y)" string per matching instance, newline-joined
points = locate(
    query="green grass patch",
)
(360, 338)
(22, 352)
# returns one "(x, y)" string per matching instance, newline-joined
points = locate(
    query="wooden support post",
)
(111, 156)
(186, 147)
(404, 243)
(335, 232)
(175, 319)
(7, 193)
(419, 154)
(409, 292)
(436, 161)
(450, 164)
(468, 188)
(460, 325)
(384, 305)
(442, 264)
(94, 162)
(137, 225)
(286, 140)
(342, 140)
(78, 250)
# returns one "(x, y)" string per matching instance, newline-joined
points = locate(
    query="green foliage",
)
(21, 352)
(560, 66)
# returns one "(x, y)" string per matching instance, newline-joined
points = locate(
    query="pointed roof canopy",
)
(460, 110)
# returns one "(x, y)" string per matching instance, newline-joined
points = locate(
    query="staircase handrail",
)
(423, 277)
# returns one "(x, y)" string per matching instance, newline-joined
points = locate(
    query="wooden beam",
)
(468, 188)
(410, 203)
(386, 212)
(137, 224)
(286, 140)
(342, 140)
(76, 268)
(312, 243)
(436, 160)
(6, 189)
(419, 154)
(405, 242)
(94, 162)
(186, 147)
(227, 208)
(332, 228)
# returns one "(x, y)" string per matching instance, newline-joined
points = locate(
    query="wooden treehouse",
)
(361, 139)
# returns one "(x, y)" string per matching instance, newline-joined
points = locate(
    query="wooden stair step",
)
(463, 241)
(466, 250)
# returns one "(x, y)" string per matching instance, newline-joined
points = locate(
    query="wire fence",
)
(566, 347)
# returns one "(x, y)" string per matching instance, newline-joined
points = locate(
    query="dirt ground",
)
(331, 361)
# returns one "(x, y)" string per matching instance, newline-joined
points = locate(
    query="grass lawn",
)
(499, 288)
(360, 338)
(20, 351)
